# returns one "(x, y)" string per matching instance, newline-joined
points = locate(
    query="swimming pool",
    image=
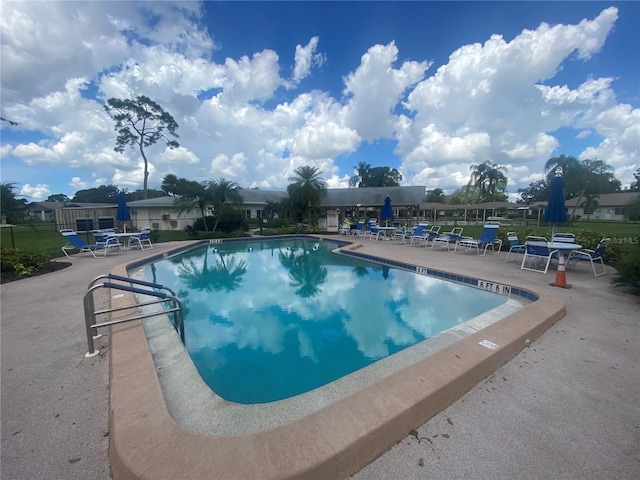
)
(268, 320)
(166, 423)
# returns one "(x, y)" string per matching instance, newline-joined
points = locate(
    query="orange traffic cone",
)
(561, 276)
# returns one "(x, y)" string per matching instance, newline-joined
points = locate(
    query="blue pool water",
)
(267, 320)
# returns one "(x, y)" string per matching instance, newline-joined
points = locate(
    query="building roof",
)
(336, 197)
(51, 206)
(374, 196)
(620, 199)
(262, 196)
(166, 201)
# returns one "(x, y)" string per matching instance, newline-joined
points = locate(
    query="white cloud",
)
(232, 168)
(35, 193)
(5, 150)
(78, 184)
(240, 119)
(487, 102)
(305, 59)
(180, 156)
(375, 89)
(250, 79)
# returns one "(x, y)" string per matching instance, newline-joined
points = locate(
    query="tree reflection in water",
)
(305, 270)
(227, 274)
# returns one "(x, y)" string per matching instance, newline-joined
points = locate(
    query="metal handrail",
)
(132, 281)
(90, 312)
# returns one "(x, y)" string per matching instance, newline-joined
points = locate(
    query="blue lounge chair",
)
(537, 254)
(488, 238)
(433, 232)
(106, 237)
(76, 246)
(592, 256)
(143, 240)
(514, 246)
(359, 230)
(563, 237)
(417, 234)
(448, 239)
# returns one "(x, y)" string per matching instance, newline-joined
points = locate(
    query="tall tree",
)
(101, 194)
(307, 189)
(463, 196)
(490, 182)
(141, 122)
(635, 186)
(58, 197)
(435, 196)
(139, 194)
(12, 206)
(586, 177)
(225, 195)
(361, 177)
(384, 177)
(537, 191)
(368, 176)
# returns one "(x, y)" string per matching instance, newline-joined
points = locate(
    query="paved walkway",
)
(567, 407)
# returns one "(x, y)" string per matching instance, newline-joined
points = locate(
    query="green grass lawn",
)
(44, 238)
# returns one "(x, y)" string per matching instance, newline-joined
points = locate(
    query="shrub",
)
(628, 268)
(229, 222)
(23, 264)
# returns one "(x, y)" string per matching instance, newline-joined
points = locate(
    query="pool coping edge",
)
(333, 442)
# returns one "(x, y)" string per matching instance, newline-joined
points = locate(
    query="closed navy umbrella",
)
(387, 212)
(555, 211)
(122, 213)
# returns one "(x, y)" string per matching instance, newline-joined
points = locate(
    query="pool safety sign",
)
(489, 344)
(494, 287)
(332, 223)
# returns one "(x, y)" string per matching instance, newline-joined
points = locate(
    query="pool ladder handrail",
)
(90, 312)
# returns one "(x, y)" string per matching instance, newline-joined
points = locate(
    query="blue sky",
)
(261, 88)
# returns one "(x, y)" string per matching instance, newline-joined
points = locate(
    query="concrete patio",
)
(566, 407)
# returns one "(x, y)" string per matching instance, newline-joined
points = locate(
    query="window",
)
(155, 226)
(247, 213)
(620, 211)
(258, 213)
(84, 224)
(105, 222)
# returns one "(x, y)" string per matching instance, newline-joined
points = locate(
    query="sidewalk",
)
(567, 407)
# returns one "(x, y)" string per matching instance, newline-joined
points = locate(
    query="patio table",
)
(126, 238)
(387, 232)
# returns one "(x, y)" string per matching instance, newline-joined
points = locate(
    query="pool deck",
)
(565, 407)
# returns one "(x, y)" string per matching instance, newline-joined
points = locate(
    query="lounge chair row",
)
(104, 242)
(422, 235)
(538, 255)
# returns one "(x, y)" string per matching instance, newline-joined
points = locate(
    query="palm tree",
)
(170, 184)
(590, 204)
(361, 178)
(490, 182)
(225, 195)
(307, 189)
(194, 195)
(270, 209)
